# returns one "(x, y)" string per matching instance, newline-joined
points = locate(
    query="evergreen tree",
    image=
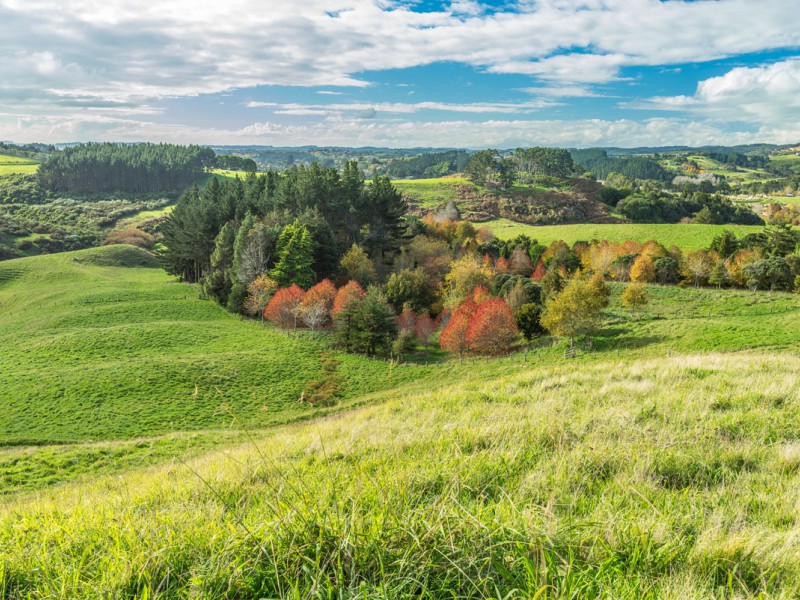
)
(295, 249)
(219, 280)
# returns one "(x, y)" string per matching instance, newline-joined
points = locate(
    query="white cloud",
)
(404, 108)
(352, 131)
(767, 95)
(131, 49)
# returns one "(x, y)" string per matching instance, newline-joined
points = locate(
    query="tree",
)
(218, 281)
(539, 272)
(406, 320)
(634, 297)
(599, 257)
(347, 294)
(643, 270)
(317, 304)
(454, 336)
(488, 169)
(492, 330)
(295, 250)
(283, 308)
(385, 210)
(409, 286)
(253, 250)
(465, 275)
(358, 266)
(725, 244)
(528, 319)
(719, 275)
(367, 325)
(517, 296)
(576, 310)
(424, 328)
(772, 273)
(259, 293)
(667, 270)
(520, 263)
(697, 267)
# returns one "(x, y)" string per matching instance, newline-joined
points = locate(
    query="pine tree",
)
(295, 250)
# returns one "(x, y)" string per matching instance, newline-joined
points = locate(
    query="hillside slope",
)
(671, 478)
(101, 344)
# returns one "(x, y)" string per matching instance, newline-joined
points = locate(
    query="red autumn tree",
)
(350, 292)
(501, 266)
(539, 272)
(492, 330)
(315, 309)
(283, 308)
(454, 335)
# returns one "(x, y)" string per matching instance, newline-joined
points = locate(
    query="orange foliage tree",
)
(315, 309)
(492, 329)
(454, 335)
(350, 292)
(283, 308)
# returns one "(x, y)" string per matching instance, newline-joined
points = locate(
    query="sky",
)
(401, 73)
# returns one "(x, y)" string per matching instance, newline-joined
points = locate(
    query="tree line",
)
(136, 168)
(298, 222)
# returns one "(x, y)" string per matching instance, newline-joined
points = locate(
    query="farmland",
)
(15, 164)
(685, 236)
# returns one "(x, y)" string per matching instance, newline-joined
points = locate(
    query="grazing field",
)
(430, 193)
(16, 164)
(669, 478)
(101, 344)
(686, 237)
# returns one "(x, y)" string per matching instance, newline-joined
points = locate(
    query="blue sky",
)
(401, 73)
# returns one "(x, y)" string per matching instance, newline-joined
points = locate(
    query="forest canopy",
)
(135, 168)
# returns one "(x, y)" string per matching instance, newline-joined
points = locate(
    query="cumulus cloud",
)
(153, 50)
(119, 58)
(766, 95)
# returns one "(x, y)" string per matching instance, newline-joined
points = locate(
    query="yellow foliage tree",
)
(643, 270)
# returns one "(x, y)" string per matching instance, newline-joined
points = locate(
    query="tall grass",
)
(670, 478)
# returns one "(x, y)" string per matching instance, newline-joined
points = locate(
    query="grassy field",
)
(686, 237)
(665, 463)
(675, 478)
(430, 193)
(101, 344)
(15, 164)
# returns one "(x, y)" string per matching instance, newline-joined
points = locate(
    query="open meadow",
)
(687, 237)
(14, 164)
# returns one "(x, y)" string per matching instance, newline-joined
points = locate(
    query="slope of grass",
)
(101, 344)
(15, 164)
(675, 478)
(687, 237)
(430, 193)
